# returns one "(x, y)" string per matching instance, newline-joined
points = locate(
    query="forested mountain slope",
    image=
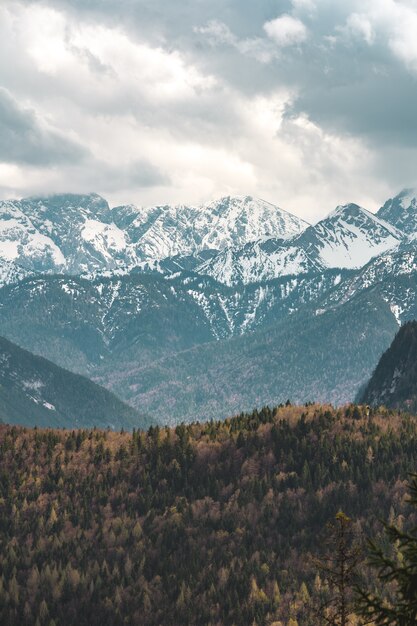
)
(144, 317)
(188, 347)
(317, 357)
(34, 391)
(394, 381)
(206, 524)
(172, 340)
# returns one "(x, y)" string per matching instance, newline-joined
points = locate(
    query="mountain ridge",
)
(151, 332)
(242, 239)
(80, 233)
(394, 380)
(349, 237)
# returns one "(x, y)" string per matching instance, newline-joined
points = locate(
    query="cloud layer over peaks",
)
(308, 103)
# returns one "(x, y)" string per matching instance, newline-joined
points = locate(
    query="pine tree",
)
(339, 568)
(401, 608)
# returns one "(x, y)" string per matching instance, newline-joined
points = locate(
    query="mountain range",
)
(193, 312)
(234, 239)
(81, 234)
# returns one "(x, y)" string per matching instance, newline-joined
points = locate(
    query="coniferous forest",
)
(207, 524)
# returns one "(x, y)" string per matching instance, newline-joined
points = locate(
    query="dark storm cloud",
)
(24, 139)
(345, 85)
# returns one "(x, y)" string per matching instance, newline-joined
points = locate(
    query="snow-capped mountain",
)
(259, 261)
(80, 233)
(21, 242)
(81, 227)
(393, 274)
(347, 238)
(155, 294)
(165, 231)
(113, 328)
(62, 233)
(401, 211)
(234, 240)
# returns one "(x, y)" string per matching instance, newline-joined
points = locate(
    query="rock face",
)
(62, 233)
(235, 240)
(165, 231)
(401, 211)
(394, 381)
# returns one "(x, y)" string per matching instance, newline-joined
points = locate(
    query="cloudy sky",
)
(306, 103)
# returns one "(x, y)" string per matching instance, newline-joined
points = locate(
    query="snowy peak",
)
(164, 231)
(244, 219)
(354, 216)
(23, 243)
(81, 234)
(349, 237)
(58, 214)
(65, 233)
(249, 239)
(401, 211)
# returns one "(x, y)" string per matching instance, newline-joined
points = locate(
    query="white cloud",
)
(394, 22)
(218, 33)
(303, 5)
(360, 24)
(286, 30)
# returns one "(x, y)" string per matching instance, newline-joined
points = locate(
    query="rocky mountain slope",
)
(234, 239)
(82, 324)
(347, 238)
(394, 381)
(401, 211)
(165, 231)
(81, 234)
(121, 330)
(34, 391)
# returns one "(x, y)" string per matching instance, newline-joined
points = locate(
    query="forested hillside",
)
(325, 358)
(394, 382)
(208, 524)
(34, 391)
